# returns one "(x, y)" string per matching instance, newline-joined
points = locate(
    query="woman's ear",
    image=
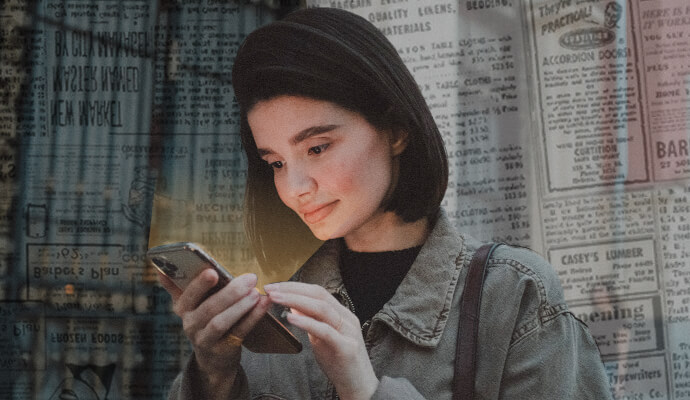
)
(398, 141)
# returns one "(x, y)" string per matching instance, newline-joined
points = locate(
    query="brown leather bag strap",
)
(468, 329)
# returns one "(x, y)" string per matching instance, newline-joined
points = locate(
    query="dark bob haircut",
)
(333, 55)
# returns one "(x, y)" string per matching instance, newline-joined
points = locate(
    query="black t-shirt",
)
(371, 278)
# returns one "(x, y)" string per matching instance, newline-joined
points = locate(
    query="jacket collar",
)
(419, 308)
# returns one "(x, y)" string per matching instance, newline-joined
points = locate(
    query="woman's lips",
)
(319, 213)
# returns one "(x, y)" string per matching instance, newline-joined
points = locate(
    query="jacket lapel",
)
(419, 308)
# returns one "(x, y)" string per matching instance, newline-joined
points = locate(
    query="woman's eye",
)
(318, 149)
(276, 164)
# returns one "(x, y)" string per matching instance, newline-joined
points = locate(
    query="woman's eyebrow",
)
(312, 131)
(301, 136)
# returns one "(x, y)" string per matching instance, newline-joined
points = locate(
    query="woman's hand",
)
(335, 335)
(210, 324)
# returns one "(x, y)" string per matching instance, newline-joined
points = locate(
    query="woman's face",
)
(330, 165)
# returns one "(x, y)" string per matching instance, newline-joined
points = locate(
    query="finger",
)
(227, 296)
(306, 289)
(319, 331)
(169, 286)
(247, 323)
(195, 292)
(220, 324)
(318, 309)
(235, 291)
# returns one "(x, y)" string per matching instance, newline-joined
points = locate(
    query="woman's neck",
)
(386, 232)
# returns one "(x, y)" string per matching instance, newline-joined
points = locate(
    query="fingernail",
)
(292, 317)
(250, 280)
(270, 287)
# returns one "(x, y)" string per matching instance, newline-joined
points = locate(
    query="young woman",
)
(342, 148)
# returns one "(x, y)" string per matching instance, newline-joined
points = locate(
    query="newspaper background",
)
(566, 125)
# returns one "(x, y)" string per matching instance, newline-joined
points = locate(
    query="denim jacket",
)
(529, 346)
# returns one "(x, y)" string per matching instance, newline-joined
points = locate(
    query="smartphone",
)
(183, 261)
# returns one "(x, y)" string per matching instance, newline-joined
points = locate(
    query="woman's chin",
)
(322, 234)
(324, 231)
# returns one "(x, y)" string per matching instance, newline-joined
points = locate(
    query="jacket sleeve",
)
(187, 385)
(557, 360)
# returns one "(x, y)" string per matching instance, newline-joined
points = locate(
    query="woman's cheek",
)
(280, 189)
(339, 178)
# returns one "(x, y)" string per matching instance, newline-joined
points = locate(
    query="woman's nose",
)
(300, 181)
